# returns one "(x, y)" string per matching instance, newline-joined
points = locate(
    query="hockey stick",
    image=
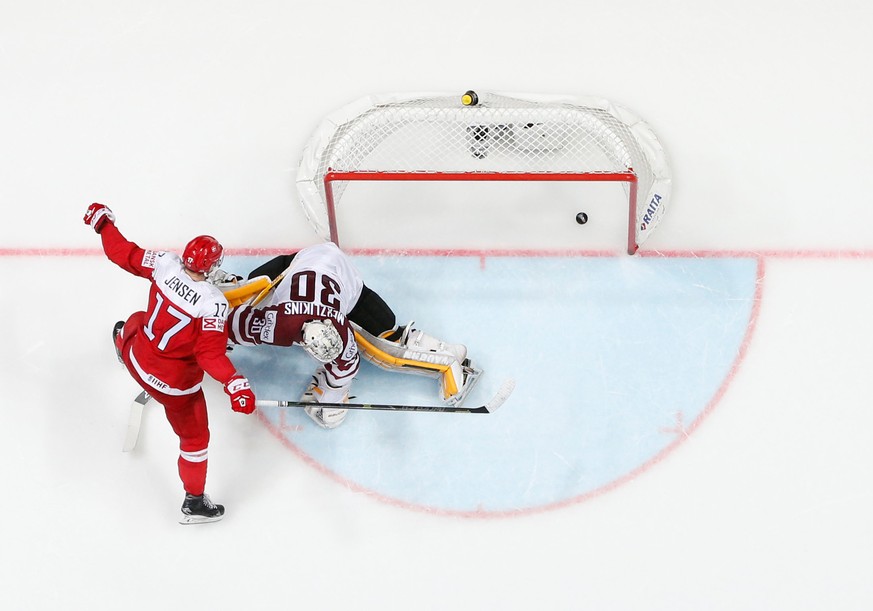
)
(489, 408)
(263, 294)
(250, 292)
(134, 421)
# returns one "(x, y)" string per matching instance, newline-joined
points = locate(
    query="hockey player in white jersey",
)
(322, 304)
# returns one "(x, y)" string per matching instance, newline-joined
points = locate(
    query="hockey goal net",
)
(484, 137)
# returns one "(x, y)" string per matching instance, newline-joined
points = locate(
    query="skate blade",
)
(186, 519)
(471, 376)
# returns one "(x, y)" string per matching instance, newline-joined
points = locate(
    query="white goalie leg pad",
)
(324, 389)
(418, 342)
(422, 354)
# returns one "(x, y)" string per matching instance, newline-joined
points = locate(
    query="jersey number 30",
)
(304, 286)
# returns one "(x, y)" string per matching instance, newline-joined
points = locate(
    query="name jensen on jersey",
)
(182, 290)
(313, 309)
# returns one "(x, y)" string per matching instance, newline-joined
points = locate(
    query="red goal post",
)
(501, 137)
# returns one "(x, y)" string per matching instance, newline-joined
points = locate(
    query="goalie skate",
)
(471, 375)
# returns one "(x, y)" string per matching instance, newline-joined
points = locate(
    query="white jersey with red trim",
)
(183, 329)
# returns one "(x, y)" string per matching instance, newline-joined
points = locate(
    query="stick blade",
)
(501, 396)
(134, 421)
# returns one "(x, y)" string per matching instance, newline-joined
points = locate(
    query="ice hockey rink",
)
(691, 426)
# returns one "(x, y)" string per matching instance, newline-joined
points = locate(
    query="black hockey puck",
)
(581, 218)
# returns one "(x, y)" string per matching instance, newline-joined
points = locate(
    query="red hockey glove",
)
(242, 399)
(97, 216)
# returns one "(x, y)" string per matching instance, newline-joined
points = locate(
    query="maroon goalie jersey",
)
(183, 330)
(314, 288)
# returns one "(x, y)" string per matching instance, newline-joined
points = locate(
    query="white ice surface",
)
(189, 117)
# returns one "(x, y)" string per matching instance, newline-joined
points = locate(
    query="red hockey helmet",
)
(202, 254)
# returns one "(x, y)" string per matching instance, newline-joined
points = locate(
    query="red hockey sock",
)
(193, 475)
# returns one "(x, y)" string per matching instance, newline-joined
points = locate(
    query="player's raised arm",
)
(121, 251)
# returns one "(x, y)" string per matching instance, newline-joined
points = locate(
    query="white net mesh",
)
(502, 134)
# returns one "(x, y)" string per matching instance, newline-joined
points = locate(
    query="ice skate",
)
(116, 339)
(471, 375)
(200, 509)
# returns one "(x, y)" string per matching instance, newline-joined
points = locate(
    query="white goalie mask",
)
(322, 340)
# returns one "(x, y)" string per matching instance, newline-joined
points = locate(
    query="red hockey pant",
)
(186, 413)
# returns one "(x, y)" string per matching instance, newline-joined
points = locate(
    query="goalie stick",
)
(134, 421)
(263, 294)
(489, 408)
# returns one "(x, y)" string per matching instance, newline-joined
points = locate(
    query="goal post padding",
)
(504, 137)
